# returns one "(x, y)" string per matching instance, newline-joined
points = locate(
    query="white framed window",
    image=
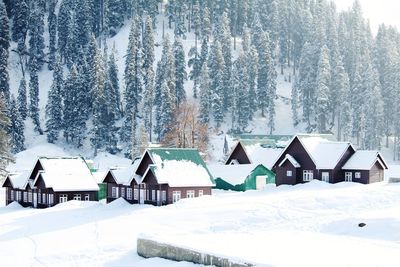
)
(348, 176)
(19, 195)
(201, 193)
(122, 191)
(289, 173)
(176, 196)
(77, 197)
(44, 198)
(12, 195)
(25, 196)
(135, 194)
(87, 197)
(308, 175)
(129, 193)
(30, 196)
(114, 192)
(190, 193)
(153, 195)
(51, 199)
(39, 196)
(357, 175)
(163, 195)
(63, 198)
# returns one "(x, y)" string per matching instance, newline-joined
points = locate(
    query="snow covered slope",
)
(315, 224)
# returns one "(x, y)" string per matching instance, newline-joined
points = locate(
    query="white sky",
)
(377, 11)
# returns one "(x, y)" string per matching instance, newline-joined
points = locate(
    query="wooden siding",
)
(144, 164)
(239, 154)
(376, 174)
(183, 190)
(38, 167)
(281, 174)
(337, 173)
(296, 150)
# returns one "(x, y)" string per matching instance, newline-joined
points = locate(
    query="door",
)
(260, 182)
(141, 196)
(34, 200)
(325, 177)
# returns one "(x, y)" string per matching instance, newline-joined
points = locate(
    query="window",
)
(77, 196)
(308, 175)
(135, 194)
(12, 195)
(25, 196)
(51, 199)
(87, 197)
(176, 196)
(19, 195)
(30, 196)
(113, 192)
(44, 198)
(190, 194)
(63, 198)
(122, 191)
(348, 176)
(164, 195)
(357, 175)
(129, 193)
(289, 173)
(200, 193)
(39, 200)
(153, 195)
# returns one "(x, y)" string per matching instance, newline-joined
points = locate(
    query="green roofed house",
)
(241, 177)
(165, 175)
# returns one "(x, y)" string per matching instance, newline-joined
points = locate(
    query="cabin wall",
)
(281, 174)
(376, 174)
(144, 164)
(184, 190)
(337, 173)
(239, 154)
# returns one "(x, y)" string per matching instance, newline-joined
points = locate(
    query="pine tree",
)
(34, 96)
(5, 155)
(133, 77)
(205, 107)
(52, 22)
(16, 127)
(111, 89)
(216, 67)
(240, 107)
(113, 15)
(168, 108)
(252, 68)
(323, 89)
(4, 46)
(22, 99)
(36, 39)
(206, 24)
(20, 23)
(180, 71)
(54, 105)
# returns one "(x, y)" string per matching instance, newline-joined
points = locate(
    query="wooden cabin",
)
(52, 181)
(308, 157)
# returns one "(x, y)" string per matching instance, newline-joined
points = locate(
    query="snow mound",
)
(76, 204)
(13, 206)
(118, 203)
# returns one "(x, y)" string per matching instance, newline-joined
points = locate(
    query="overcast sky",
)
(377, 11)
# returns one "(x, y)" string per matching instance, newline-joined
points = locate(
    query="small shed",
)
(241, 177)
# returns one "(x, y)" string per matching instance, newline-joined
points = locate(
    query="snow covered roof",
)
(291, 159)
(179, 167)
(364, 160)
(323, 152)
(233, 174)
(67, 174)
(263, 155)
(18, 179)
(124, 175)
(99, 176)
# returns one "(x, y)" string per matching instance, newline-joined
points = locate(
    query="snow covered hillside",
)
(315, 224)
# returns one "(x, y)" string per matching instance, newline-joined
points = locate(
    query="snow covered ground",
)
(315, 224)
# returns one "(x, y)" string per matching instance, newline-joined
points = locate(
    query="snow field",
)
(315, 224)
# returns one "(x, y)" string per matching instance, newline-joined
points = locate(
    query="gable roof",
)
(291, 160)
(364, 160)
(123, 175)
(66, 174)
(233, 174)
(324, 152)
(18, 180)
(179, 167)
